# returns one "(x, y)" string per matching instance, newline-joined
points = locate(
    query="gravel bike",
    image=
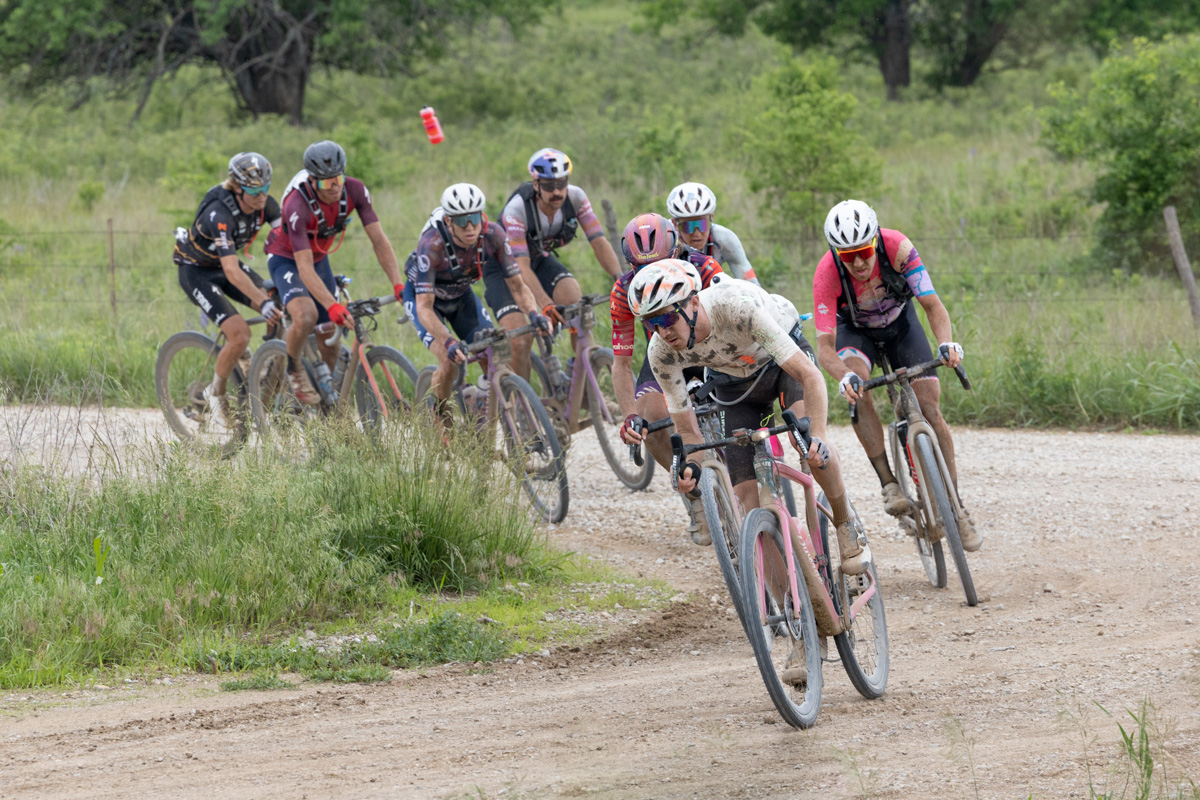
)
(183, 369)
(589, 381)
(527, 437)
(793, 588)
(380, 379)
(926, 481)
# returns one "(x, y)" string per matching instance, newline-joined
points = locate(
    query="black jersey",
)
(221, 228)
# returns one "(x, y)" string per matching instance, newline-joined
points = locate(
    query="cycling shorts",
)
(757, 408)
(902, 343)
(495, 290)
(286, 275)
(549, 271)
(465, 315)
(211, 290)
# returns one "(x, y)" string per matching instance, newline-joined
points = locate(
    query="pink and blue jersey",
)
(876, 308)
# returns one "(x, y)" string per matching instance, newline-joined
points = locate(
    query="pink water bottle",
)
(433, 128)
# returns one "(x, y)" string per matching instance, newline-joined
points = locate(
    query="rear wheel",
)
(780, 622)
(928, 549)
(394, 376)
(271, 400)
(608, 432)
(724, 523)
(533, 449)
(185, 366)
(945, 513)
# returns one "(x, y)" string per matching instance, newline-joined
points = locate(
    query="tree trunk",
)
(277, 85)
(269, 60)
(891, 39)
(985, 25)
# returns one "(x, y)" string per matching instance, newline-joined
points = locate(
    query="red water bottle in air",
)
(433, 128)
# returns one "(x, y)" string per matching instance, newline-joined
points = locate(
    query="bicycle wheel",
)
(777, 625)
(929, 550)
(936, 487)
(395, 377)
(185, 365)
(725, 524)
(615, 452)
(271, 399)
(864, 646)
(533, 450)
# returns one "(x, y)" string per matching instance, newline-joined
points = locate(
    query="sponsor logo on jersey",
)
(822, 309)
(293, 219)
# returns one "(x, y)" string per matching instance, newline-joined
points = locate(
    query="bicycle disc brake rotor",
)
(557, 411)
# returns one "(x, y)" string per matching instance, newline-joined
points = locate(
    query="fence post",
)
(610, 224)
(112, 270)
(1181, 262)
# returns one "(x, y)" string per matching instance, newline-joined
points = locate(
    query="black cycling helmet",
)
(325, 159)
(251, 170)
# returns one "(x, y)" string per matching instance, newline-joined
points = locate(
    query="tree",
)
(962, 35)
(1137, 124)
(265, 49)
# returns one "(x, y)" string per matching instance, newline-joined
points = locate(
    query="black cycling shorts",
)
(646, 382)
(211, 290)
(757, 408)
(549, 271)
(495, 290)
(464, 315)
(903, 342)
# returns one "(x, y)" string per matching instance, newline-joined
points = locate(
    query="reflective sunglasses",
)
(663, 321)
(255, 191)
(336, 182)
(693, 225)
(553, 184)
(864, 252)
(463, 220)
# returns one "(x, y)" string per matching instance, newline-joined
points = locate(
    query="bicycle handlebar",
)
(742, 436)
(361, 308)
(490, 336)
(588, 300)
(907, 373)
(642, 426)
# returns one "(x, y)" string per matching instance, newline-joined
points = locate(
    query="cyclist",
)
(861, 293)
(753, 342)
(691, 206)
(543, 215)
(459, 246)
(317, 205)
(649, 238)
(210, 272)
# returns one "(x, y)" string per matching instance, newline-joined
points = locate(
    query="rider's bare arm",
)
(828, 356)
(938, 316)
(816, 400)
(310, 279)
(531, 281)
(238, 277)
(522, 294)
(384, 252)
(431, 322)
(623, 384)
(606, 256)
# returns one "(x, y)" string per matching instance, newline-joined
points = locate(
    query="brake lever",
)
(677, 460)
(962, 377)
(635, 450)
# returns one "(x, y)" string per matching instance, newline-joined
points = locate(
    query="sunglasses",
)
(663, 321)
(464, 220)
(335, 182)
(553, 185)
(864, 252)
(255, 191)
(693, 225)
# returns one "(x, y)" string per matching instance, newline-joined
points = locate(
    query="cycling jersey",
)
(623, 326)
(748, 329)
(725, 246)
(221, 228)
(877, 307)
(432, 269)
(301, 226)
(548, 232)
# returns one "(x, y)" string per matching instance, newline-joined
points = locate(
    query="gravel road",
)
(1091, 546)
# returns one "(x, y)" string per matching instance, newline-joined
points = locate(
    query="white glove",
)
(852, 380)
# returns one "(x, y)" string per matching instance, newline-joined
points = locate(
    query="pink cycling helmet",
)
(648, 238)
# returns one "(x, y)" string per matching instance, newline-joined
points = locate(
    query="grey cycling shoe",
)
(894, 501)
(697, 525)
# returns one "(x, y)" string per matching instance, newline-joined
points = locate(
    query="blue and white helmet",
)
(550, 164)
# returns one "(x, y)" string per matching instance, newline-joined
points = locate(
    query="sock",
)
(840, 508)
(292, 365)
(880, 463)
(218, 384)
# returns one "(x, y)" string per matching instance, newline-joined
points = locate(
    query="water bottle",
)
(325, 383)
(433, 128)
(560, 382)
(339, 369)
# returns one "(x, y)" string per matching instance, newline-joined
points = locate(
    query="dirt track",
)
(1085, 579)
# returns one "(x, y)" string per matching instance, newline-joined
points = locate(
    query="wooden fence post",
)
(610, 225)
(112, 270)
(1181, 262)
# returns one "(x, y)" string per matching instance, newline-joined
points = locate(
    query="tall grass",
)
(154, 560)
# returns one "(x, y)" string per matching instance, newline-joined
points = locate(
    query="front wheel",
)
(608, 433)
(780, 622)
(533, 449)
(929, 550)
(936, 487)
(724, 523)
(388, 388)
(185, 366)
(271, 398)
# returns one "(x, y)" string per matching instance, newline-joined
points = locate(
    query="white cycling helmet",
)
(463, 198)
(691, 200)
(660, 286)
(851, 223)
